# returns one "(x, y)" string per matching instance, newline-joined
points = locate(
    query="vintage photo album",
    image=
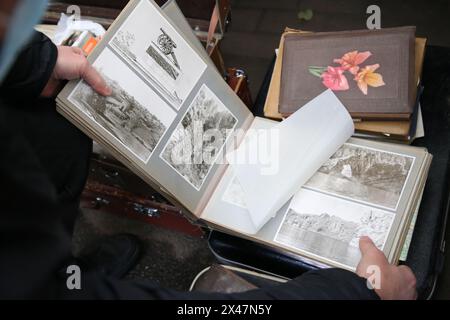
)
(399, 130)
(371, 71)
(303, 185)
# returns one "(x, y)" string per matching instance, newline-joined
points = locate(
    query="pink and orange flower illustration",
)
(333, 77)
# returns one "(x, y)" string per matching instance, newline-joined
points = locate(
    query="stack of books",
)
(375, 73)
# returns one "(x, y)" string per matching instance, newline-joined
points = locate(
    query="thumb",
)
(77, 50)
(366, 245)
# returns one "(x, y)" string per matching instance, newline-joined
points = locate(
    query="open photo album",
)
(302, 185)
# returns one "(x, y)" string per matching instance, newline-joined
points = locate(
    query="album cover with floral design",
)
(371, 71)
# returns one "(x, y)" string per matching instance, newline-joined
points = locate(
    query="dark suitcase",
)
(426, 252)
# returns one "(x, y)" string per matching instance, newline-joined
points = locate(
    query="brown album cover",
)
(371, 71)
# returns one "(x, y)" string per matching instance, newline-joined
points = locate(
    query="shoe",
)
(114, 256)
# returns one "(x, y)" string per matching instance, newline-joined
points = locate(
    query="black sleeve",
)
(30, 73)
(327, 284)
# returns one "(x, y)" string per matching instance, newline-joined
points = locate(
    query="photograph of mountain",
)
(364, 174)
(133, 114)
(159, 54)
(198, 139)
(330, 227)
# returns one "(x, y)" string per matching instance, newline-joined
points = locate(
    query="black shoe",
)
(115, 255)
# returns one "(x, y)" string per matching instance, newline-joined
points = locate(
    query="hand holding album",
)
(72, 64)
(171, 118)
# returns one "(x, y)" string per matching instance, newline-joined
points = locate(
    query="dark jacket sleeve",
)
(43, 167)
(327, 284)
(30, 73)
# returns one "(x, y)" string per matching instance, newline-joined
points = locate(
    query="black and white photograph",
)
(330, 227)
(364, 174)
(197, 141)
(136, 116)
(159, 54)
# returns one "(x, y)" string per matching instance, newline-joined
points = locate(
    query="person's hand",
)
(395, 282)
(72, 64)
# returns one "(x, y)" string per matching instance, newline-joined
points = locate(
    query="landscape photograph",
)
(330, 227)
(159, 54)
(133, 114)
(364, 174)
(197, 141)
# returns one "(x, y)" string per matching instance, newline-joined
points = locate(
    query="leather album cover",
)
(371, 71)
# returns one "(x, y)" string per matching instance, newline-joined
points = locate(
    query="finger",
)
(409, 274)
(409, 281)
(366, 244)
(95, 80)
(77, 50)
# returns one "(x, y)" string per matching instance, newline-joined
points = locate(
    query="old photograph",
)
(158, 53)
(197, 141)
(330, 227)
(364, 174)
(133, 114)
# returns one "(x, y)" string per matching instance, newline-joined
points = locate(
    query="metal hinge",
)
(149, 212)
(99, 202)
